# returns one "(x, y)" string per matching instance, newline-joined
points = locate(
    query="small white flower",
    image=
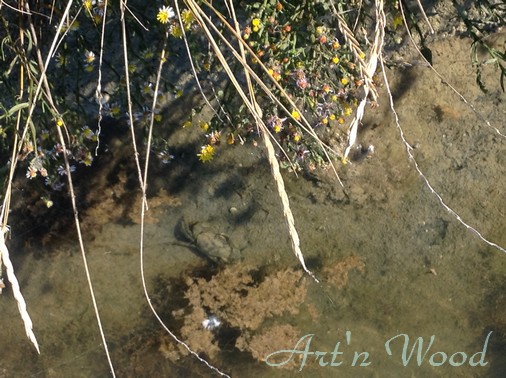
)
(89, 56)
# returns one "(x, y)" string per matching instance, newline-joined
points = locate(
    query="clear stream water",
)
(426, 276)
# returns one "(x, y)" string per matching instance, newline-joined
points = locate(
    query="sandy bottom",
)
(391, 260)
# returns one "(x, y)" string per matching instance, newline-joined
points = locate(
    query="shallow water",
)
(424, 273)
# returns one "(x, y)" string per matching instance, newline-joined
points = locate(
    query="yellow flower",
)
(325, 120)
(165, 13)
(332, 117)
(336, 45)
(362, 55)
(147, 54)
(320, 30)
(340, 120)
(88, 4)
(257, 24)
(345, 81)
(59, 122)
(347, 110)
(397, 21)
(115, 110)
(206, 153)
(88, 159)
(188, 123)
(296, 115)
(87, 133)
(176, 31)
(31, 173)
(204, 125)
(296, 137)
(187, 17)
(335, 59)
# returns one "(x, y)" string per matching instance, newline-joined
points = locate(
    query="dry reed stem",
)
(11, 276)
(5, 255)
(367, 69)
(98, 92)
(129, 99)
(7, 198)
(196, 76)
(144, 208)
(256, 113)
(423, 14)
(43, 79)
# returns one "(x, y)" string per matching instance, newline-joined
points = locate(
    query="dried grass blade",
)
(255, 111)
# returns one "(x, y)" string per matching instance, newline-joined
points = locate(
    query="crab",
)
(201, 237)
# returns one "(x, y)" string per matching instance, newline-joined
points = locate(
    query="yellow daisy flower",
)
(187, 17)
(165, 13)
(176, 31)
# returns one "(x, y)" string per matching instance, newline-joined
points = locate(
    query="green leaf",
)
(14, 109)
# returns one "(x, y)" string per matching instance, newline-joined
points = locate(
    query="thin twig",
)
(143, 215)
(129, 97)
(98, 93)
(43, 80)
(411, 157)
(460, 95)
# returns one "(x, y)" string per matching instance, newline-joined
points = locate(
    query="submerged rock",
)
(206, 241)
